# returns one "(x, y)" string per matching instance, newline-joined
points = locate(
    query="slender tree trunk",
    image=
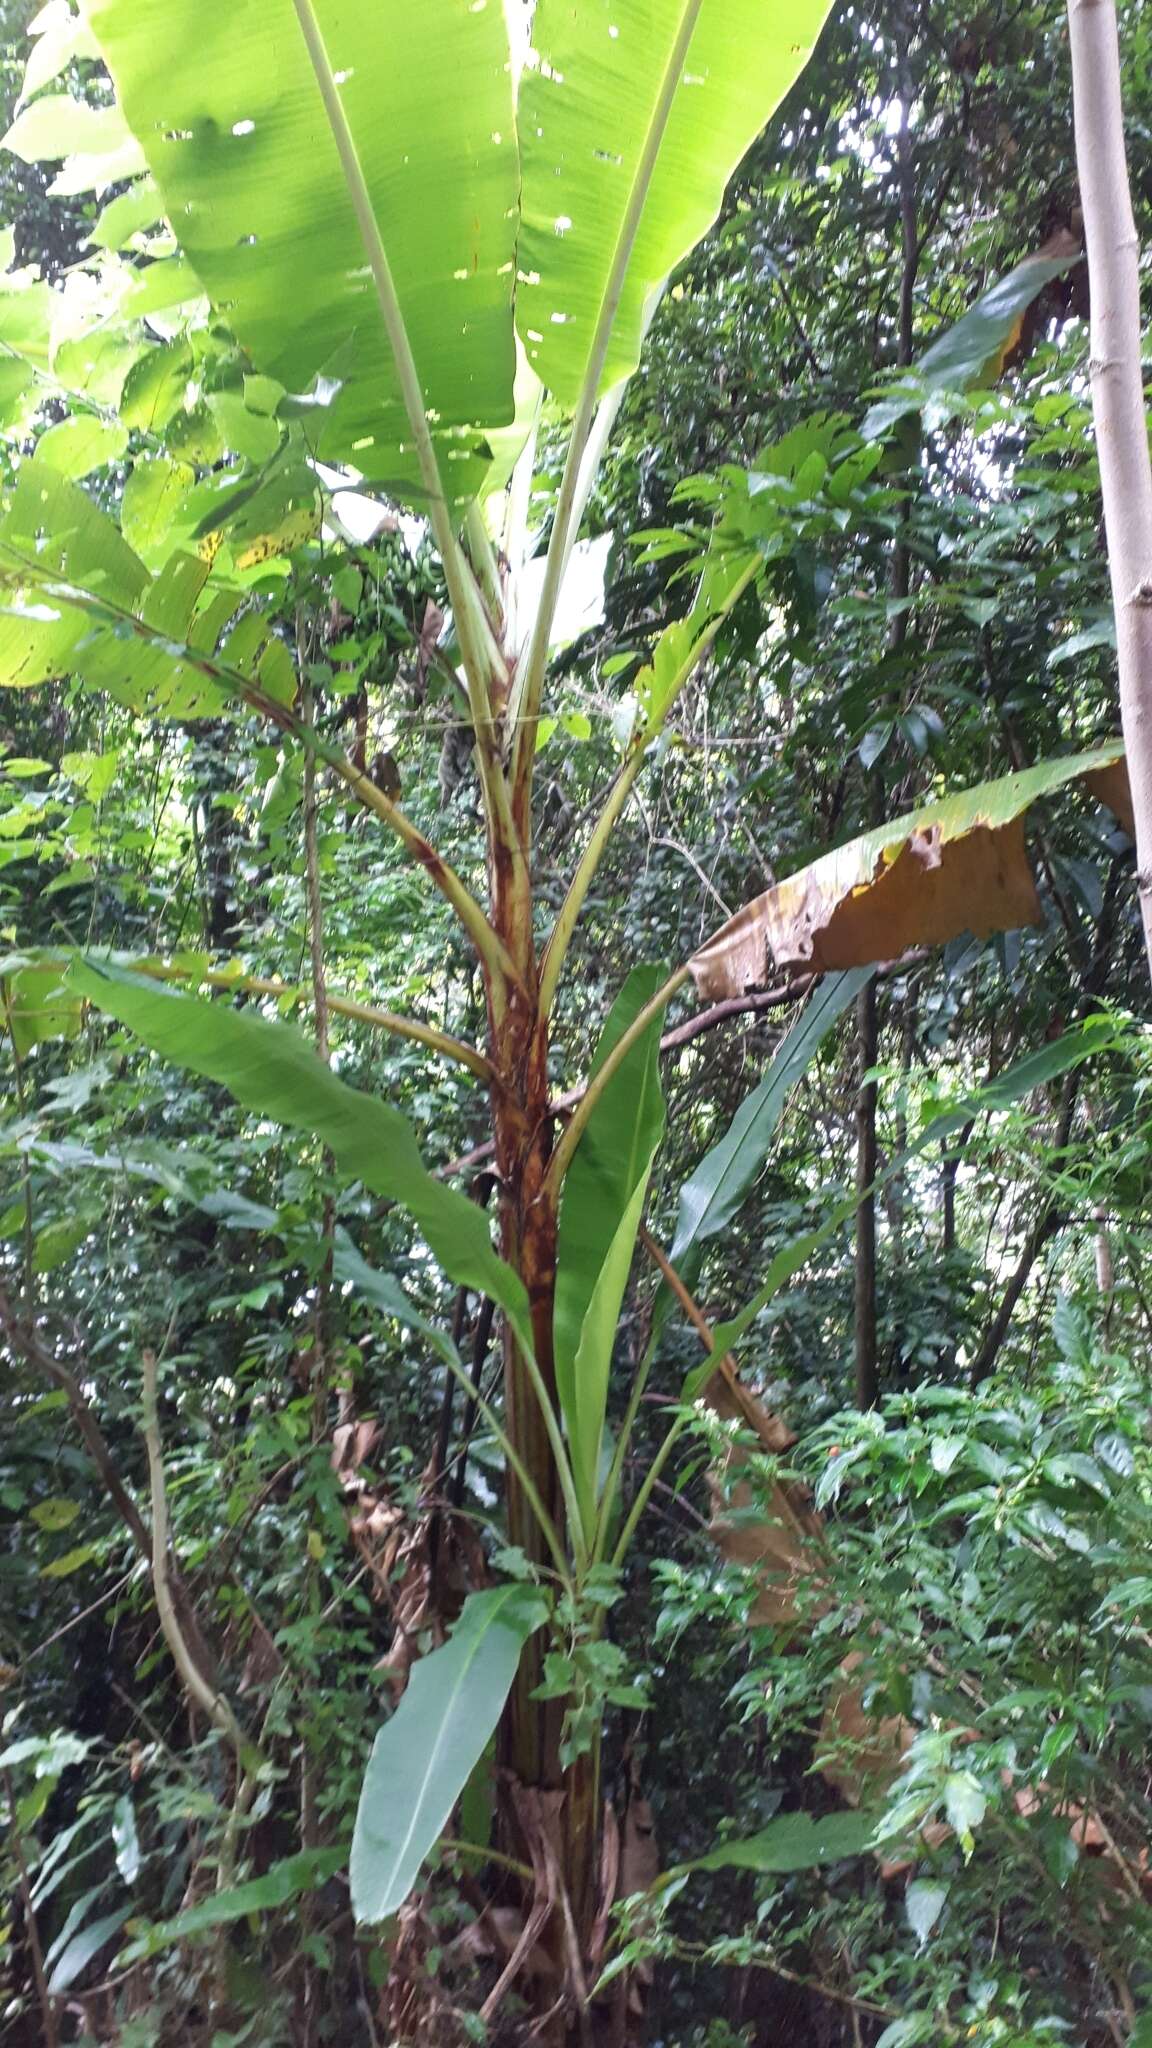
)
(1118, 393)
(865, 1319)
(867, 1369)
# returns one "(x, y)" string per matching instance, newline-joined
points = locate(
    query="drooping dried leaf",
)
(957, 865)
(860, 1753)
(782, 1544)
(1110, 786)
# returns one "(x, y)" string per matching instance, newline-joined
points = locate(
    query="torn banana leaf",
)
(956, 866)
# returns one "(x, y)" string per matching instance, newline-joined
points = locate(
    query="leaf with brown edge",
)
(978, 347)
(1111, 788)
(955, 866)
(781, 1542)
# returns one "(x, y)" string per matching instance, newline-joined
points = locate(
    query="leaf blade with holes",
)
(240, 146)
(423, 1757)
(601, 144)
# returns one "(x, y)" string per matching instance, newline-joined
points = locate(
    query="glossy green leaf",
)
(924, 1903)
(57, 126)
(62, 38)
(82, 1949)
(612, 1156)
(712, 1195)
(272, 1070)
(423, 1757)
(60, 1242)
(37, 1006)
(72, 1561)
(587, 1403)
(76, 599)
(127, 215)
(125, 1839)
(965, 1804)
(618, 112)
(51, 531)
(57, 1513)
(25, 323)
(240, 146)
(155, 387)
(153, 497)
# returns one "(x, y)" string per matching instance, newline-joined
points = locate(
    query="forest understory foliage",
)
(575, 1287)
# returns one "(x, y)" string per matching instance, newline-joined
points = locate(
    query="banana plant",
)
(369, 282)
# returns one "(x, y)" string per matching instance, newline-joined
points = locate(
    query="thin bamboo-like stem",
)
(568, 915)
(568, 496)
(577, 1123)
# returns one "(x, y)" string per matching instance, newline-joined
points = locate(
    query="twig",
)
(28, 1347)
(93, 1608)
(35, 1952)
(211, 1702)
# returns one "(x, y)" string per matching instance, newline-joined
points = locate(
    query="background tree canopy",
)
(547, 1493)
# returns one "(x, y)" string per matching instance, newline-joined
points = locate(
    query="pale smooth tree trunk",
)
(1118, 393)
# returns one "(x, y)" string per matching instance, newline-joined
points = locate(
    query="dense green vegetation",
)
(406, 1633)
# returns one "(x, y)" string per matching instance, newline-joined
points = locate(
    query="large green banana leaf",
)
(270, 1069)
(423, 1757)
(223, 98)
(626, 106)
(632, 116)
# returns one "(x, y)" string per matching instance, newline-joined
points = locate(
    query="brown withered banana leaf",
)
(958, 865)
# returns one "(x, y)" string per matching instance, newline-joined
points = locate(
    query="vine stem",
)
(32, 1932)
